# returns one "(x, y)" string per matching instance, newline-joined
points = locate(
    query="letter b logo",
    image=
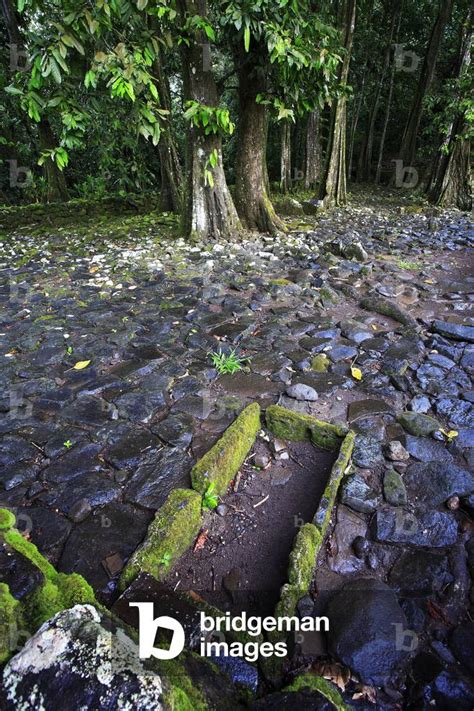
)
(148, 627)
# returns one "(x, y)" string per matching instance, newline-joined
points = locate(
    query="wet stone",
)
(358, 495)
(420, 573)
(115, 529)
(175, 430)
(394, 489)
(367, 452)
(140, 407)
(420, 404)
(339, 353)
(453, 330)
(47, 529)
(157, 476)
(435, 482)
(74, 462)
(427, 450)
(349, 528)
(88, 410)
(299, 391)
(368, 408)
(18, 572)
(458, 412)
(97, 488)
(127, 451)
(432, 529)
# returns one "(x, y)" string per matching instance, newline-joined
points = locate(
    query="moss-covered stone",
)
(326, 505)
(293, 426)
(320, 363)
(11, 622)
(7, 519)
(58, 591)
(170, 534)
(222, 462)
(321, 686)
(303, 557)
(417, 424)
(328, 296)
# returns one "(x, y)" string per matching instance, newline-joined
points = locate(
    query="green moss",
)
(7, 519)
(303, 557)
(11, 622)
(222, 462)
(328, 296)
(42, 604)
(75, 590)
(322, 686)
(280, 282)
(320, 363)
(295, 427)
(326, 505)
(170, 534)
(28, 549)
(417, 424)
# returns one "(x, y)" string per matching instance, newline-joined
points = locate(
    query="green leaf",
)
(247, 38)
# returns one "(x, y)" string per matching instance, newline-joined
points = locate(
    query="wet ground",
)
(109, 393)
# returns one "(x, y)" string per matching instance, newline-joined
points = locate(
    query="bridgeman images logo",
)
(149, 627)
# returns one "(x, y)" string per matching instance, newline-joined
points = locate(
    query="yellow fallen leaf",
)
(428, 281)
(81, 364)
(374, 326)
(356, 373)
(452, 434)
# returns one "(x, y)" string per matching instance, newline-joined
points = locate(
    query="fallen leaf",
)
(338, 674)
(367, 693)
(356, 373)
(201, 540)
(81, 364)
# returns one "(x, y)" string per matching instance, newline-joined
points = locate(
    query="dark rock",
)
(76, 461)
(131, 447)
(393, 488)
(88, 410)
(420, 574)
(427, 450)
(157, 476)
(80, 510)
(115, 529)
(175, 430)
(435, 482)
(454, 331)
(97, 488)
(81, 668)
(21, 576)
(338, 353)
(431, 528)
(46, 529)
(358, 495)
(396, 452)
(367, 452)
(450, 692)
(462, 644)
(418, 425)
(458, 412)
(364, 620)
(368, 408)
(305, 700)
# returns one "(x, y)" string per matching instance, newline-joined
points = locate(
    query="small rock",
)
(222, 509)
(420, 404)
(361, 547)
(394, 489)
(300, 391)
(261, 461)
(396, 452)
(417, 424)
(453, 503)
(80, 510)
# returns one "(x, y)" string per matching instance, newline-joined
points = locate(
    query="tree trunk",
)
(378, 172)
(251, 193)
(410, 135)
(313, 150)
(171, 198)
(209, 209)
(334, 185)
(55, 179)
(285, 162)
(364, 168)
(451, 180)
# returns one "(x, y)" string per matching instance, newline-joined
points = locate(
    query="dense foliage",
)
(122, 96)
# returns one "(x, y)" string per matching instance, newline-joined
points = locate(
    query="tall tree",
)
(209, 209)
(313, 150)
(285, 157)
(410, 134)
(450, 184)
(334, 184)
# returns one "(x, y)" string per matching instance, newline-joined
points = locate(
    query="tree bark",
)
(313, 157)
(209, 209)
(285, 162)
(410, 134)
(251, 193)
(55, 179)
(334, 185)
(451, 179)
(171, 198)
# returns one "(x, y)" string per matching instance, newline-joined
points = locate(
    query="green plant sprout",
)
(67, 444)
(210, 500)
(165, 560)
(230, 363)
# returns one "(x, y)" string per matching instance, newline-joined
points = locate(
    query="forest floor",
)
(89, 453)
